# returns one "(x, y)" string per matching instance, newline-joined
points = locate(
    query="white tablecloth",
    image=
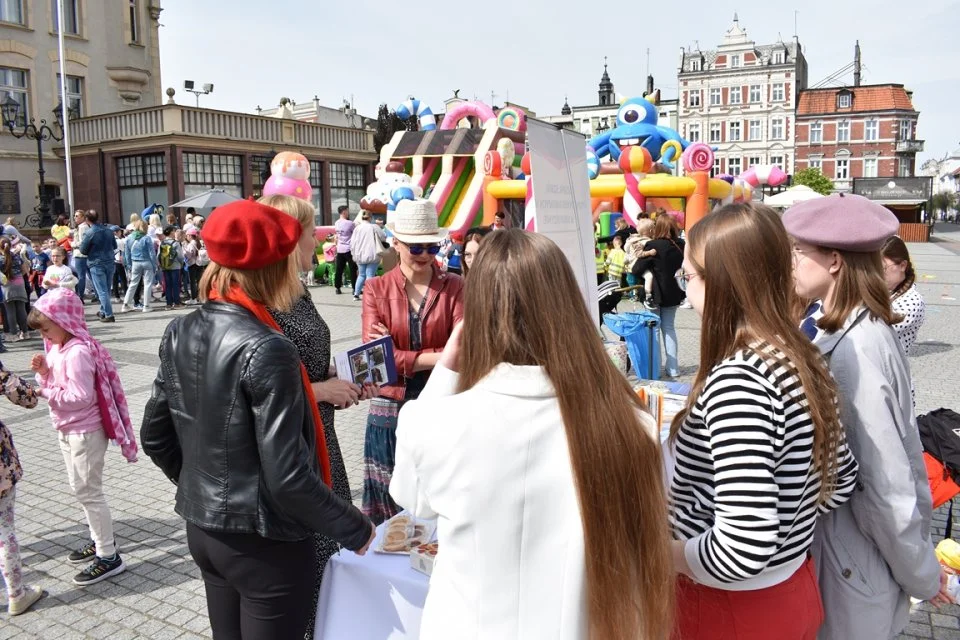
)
(371, 597)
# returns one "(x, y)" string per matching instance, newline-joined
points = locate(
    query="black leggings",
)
(17, 316)
(343, 260)
(257, 589)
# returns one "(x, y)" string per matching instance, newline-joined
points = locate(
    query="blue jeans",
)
(364, 271)
(80, 266)
(102, 276)
(668, 316)
(171, 280)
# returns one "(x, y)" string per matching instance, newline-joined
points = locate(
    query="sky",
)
(536, 52)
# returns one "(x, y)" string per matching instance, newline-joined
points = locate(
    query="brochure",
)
(371, 362)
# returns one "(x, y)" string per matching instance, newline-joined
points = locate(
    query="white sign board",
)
(561, 195)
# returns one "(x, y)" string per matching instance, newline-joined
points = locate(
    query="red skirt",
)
(791, 610)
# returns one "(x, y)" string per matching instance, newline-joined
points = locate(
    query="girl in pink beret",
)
(875, 552)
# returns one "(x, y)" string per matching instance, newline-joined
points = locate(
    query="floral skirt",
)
(379, 456)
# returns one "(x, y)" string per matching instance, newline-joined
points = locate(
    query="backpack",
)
(166, 256)
(940, 436)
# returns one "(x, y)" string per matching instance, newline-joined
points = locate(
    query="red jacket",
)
(385, 301)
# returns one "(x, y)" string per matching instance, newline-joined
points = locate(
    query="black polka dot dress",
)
(911, 306)
(310, 334)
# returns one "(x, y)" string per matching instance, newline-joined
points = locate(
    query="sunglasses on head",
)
(418, 249)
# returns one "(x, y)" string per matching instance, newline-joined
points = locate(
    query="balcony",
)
(909, 146)
(177, 120)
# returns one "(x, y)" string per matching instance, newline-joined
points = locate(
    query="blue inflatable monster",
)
(637, 126)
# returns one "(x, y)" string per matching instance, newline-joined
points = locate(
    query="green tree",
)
(814, 179)
(944, 202)
(388, 123)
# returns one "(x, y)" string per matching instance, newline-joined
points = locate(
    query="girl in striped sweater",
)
(760, 452)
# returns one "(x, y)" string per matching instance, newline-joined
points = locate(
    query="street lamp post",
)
(11, 113)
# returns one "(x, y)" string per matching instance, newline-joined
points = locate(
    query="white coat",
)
(493, 464)
(875, 551)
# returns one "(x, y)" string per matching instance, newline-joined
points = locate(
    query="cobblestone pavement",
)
(160, 596)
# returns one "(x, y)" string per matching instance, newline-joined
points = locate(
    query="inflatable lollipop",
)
(289, 176)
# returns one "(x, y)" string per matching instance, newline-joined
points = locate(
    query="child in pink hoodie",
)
(78, 378)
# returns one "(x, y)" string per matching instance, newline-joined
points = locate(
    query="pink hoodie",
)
(69, 388)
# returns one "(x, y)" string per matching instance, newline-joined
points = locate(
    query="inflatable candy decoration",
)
(507, 150)
(289, 176)
(593, 164)
(764, 174)
(636, 125)
(635, 162)
(512, 118)
(413, 107)
(478, 110)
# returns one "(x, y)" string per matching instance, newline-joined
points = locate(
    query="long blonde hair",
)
(743, 255)
(511, 315)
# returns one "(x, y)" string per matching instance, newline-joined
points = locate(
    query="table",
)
(373, 597)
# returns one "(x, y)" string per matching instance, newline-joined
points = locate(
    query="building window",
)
(71, 17)
(815, 163)
(776, 129)
(871, 130)
(695, 64)
(11, 11)
(905, 130)
(903, 168)
(778, 92)
(585, 126)
(715, 171)
(347, 186)
(843, 169)
(755, 130)
(736, 95)
(142, 181)
(134, 21)
(13, 84)
(754, 161)
(777, 161)
(816, 132)
(735, 60)
(869, 167)
(843, 131)
(754, 94)
(843, 101)
(714, 97)
(715, 132)
(733, 166)
(778, 57)
(693, 133)
(316, 183)
(694, 99)
(203, 171)
(74, 101)
(734, 129)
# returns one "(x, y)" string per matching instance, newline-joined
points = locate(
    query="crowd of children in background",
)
(28, 269)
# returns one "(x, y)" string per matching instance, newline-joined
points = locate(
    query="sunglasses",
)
(418, 249)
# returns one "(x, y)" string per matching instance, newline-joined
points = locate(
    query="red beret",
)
(841, 221)
(249, 235)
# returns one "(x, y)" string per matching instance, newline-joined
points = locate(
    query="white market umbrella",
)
(791, 196)
(207, 199)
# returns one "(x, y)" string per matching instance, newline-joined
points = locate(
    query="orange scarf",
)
(239, 297)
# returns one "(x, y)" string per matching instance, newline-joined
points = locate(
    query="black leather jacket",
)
(229, 423)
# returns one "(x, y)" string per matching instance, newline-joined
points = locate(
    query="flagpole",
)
(65, 113)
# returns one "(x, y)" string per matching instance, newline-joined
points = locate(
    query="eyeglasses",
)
(800, 254)
(418, 249)
(684, 277)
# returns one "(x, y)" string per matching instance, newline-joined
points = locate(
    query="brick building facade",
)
(866, 131)
(741, 98)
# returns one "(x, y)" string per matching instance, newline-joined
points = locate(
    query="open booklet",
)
(369, 362)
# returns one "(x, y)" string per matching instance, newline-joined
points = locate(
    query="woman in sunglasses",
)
(417, 305)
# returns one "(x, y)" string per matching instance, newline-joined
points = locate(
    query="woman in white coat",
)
(548, 484)
(874, 552)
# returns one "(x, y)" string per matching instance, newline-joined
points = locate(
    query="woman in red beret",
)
(875, 552)
(417, 305)
(234, 423)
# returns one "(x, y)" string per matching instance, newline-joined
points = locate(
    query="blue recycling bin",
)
(641, 331)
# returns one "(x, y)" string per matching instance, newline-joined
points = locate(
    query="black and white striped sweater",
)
(744, 493)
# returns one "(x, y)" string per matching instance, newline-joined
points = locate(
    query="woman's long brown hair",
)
(7, 254)
(859, 282)
(895, 249)
(743, 254)
(512, 315)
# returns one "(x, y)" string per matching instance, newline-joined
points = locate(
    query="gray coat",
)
(875, 551)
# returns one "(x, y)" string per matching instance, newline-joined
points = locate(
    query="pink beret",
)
(842, 221)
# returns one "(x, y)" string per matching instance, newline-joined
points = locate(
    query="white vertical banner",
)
(64, 104)
(561, 195)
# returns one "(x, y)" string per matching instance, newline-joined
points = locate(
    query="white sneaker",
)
(24, 601)
(124, 309)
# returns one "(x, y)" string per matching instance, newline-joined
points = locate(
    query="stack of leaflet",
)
(664, 401)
